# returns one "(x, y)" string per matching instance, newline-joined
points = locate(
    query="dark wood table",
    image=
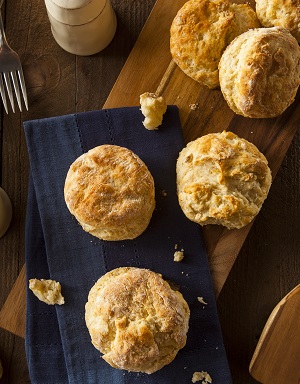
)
(60, 83)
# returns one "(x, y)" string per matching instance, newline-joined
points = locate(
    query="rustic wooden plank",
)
(50, 91)
(267, 265)
(12, 313)
(272, 136)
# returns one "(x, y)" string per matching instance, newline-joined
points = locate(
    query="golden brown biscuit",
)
(222, 179)
(201, 31)
(136, 320)
(260, 72)
(280, 13)
(110, 191)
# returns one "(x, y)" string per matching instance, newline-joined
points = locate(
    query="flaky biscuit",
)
(136, 320)
(222, 179)
(110, 191)
(201, 31)
(280, 13)
(260, 72)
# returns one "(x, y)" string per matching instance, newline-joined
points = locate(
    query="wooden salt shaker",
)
(82, 27)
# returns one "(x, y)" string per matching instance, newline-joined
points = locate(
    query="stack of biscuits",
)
(221, 44)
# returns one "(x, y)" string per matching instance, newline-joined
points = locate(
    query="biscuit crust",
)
(136, 320)
(201, 31)
(280, 13)
(222, 179)
(260, 72)
(111, 193)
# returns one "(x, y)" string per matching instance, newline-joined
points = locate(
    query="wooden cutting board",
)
(276, 356)
(149, 68)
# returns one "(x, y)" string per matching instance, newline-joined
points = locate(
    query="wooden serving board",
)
(149, 68)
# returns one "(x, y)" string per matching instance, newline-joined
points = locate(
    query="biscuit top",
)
(136, 320)
(280, 13)
(110, 191)
(222, 179)
(201, 31)
(260, 72)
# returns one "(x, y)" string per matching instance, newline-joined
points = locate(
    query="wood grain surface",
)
(60, 83)
(276, 357)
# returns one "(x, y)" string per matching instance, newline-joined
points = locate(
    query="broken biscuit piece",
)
(178, 255)
(153, 108)
(204, 377)
(48, 291)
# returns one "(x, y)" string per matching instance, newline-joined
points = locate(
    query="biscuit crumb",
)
(153, 108)
(178, 255)
(48, 291)
(202, 376)
(200, 299)
(164, 193)
(194, 106)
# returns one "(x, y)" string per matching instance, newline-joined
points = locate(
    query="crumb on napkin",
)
(48, 291)
(200, 299)
(179, 255)
(153, 108)
(202, 376)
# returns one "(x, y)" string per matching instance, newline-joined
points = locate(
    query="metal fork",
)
(11, 72)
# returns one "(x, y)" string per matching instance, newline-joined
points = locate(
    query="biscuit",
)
(222, 179)
(136, 320)
(260, 72)
(111, 193)
(200, 32)
(280, 13)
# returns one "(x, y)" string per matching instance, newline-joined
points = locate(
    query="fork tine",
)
(3, 96)
(9, 89)
(23, 87)
(16, 88)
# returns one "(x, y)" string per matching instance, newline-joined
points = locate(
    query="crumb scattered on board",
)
(153, 108)
(164, 193)
(48, 291)
(200, 299)
(202, 376)
(194, 106)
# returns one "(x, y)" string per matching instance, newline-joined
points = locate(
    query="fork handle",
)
(2, 32)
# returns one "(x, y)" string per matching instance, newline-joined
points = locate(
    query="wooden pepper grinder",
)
(82, 27)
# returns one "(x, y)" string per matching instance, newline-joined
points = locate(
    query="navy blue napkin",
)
(58, 345)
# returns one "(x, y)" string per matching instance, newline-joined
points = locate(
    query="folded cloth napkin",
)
(58, 345)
